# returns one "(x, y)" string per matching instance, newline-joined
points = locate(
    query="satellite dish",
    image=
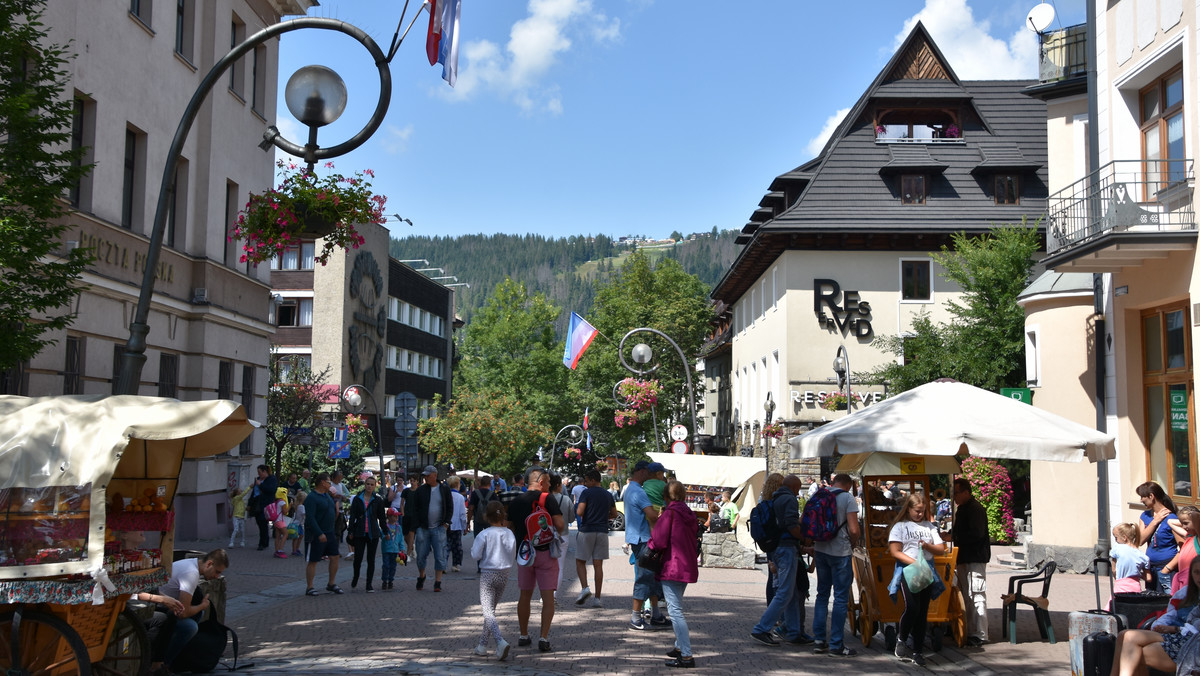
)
(1040, 18)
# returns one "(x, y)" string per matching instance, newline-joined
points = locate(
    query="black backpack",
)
(203, 653)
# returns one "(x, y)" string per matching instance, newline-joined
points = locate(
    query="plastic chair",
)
(1040, 604)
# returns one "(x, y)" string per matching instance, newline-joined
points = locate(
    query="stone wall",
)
(722, 550)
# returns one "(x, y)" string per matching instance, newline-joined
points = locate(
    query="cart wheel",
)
(958, 618)
(128, 652)
(889, 638)
(854, 614)
(44, 645)
(935, 637)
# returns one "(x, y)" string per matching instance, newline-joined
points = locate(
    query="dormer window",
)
(1008, 189)
(921, 125)
(912, 188)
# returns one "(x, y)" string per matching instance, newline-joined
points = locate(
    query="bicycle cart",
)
(87, 485)
(872, 560)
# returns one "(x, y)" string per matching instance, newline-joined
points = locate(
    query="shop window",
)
(1008, 189)
(1167, 385)
(912, 189)
(1161, 107)
(914, 281)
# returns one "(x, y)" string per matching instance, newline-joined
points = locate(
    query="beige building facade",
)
(137, 64)
(1133, 226)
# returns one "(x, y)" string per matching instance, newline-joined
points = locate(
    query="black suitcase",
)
(1098, 652)
(1093, 634)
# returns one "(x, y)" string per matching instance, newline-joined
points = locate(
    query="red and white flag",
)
(433, 38)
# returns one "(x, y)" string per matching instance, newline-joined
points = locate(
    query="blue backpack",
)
(763, 527)
(819, 522)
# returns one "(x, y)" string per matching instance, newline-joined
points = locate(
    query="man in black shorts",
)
(320, 514)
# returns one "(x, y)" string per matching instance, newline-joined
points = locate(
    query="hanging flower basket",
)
(773, 431)
(834, 402)
(641, 395)
(625, 417)
(307, 206)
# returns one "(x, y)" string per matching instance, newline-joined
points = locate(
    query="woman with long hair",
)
(368, 523)
(1158, 647)
(1156, 533)
(912, 535)
(675, 532)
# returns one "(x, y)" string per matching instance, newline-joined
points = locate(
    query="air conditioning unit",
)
(200, 296)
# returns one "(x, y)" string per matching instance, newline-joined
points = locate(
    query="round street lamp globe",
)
(316, 95)
(353, 397)
(642, 354)
(839, 365)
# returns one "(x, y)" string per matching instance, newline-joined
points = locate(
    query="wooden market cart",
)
(873, 563)
(87, 488)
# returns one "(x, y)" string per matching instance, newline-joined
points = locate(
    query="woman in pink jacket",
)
(675, 531)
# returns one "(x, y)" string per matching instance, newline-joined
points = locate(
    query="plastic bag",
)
(918, 575)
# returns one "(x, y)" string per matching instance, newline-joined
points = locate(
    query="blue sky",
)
(625, 116)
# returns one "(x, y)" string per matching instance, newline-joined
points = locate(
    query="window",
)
(83, 132)
(258, 79)
(73, 366)
(232, 246)
(912, 189)
(1162, 131)
(296, 257)
(1008, 189)
(177, 209)
(118, 353)
(224, 379)
(140, 9)
(914, 281)
(919, 125)
(1167, 383)
(295, 312)
(288, 365)
(168, 374)
(247, 403)
(237, 73)
(131, 210)
(183, 28)
(15, 380)
(1033, 357)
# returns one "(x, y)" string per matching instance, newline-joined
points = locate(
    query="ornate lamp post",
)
(319, 99)
(841, 366)
(574, 435)
(352, 399)
(642, 355)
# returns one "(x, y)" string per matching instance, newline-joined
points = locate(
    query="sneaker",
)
(637, 623)
(583, 596)
(682, 663)
(280, 555)
(481, 650)
(674, 652)
(454, 569)
(544, 645)
(297, 553)
(596, 602)
(420, 583)
(974, 642)
(370, 589)
(502, 650)
(764, 638)
(349, 556)
(524, 641)
(663, 622)
(820, 648)
(802, 639)
(354, 582)
(903, 652)
(334, 589)
(843, 652)
(437, 586)
(918, 659)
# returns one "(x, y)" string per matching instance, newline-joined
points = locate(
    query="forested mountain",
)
(565, 269)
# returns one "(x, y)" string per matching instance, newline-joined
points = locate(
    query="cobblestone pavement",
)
(405, 631)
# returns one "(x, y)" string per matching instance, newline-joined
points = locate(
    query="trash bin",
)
(1138, 607)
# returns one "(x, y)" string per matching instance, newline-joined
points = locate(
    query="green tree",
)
(663, 297)
(295, 402)
(984, 343)
(487, 431)
(510, 346)
(39, 170)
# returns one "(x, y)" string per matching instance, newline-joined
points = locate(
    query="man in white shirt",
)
(177, 595)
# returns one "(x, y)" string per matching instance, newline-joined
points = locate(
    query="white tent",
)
(470, 474)
(948, 417)
(744, 475)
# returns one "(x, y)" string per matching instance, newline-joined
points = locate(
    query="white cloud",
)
(968, 44)
(816, 143)
(395, 139)
(534, 46)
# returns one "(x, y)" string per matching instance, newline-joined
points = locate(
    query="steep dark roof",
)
(850, 197)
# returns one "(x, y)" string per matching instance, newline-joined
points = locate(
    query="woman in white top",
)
(912, 536)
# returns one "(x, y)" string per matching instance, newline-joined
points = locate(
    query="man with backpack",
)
(536, 567)
(831, 520)
(785, 525)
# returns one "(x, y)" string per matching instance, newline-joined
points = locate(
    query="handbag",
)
(918, 575)
(652, 559)
(720, 525)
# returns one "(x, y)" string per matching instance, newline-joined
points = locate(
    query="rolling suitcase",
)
(1093, 633)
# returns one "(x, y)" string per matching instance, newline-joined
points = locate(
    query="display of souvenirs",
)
(44, 525)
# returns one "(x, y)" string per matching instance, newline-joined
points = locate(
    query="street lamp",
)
(574, 437)
(841, 366)
(642, 355)
(352, 398)
(317, 95)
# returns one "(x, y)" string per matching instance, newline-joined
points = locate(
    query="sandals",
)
(312, 592)
(334, 589)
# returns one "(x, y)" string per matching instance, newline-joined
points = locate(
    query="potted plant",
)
(307, 206)
(773, 431)
(638, 395)
(834, 402)
(953, 131)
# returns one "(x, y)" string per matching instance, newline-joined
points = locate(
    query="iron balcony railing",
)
(1063, 54)
(1127, 196)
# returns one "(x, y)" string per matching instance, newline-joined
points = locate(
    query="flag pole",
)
(398, 39)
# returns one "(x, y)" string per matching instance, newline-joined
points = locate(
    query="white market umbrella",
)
(949, 417)
(470, 473)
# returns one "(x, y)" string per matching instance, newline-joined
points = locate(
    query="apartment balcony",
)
(1063, 54)
(1134, 212)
